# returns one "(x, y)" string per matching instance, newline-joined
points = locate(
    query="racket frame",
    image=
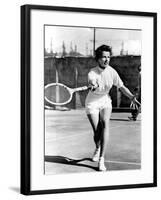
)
(70, 90)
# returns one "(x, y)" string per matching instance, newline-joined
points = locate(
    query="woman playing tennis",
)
(98, 102)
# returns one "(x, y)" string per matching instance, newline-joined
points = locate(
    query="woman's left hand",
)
(135, 104)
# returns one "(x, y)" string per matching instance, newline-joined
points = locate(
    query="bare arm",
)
(132, 97)
(127, 92)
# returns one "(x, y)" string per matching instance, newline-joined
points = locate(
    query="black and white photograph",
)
(88, 99)
(95, 125)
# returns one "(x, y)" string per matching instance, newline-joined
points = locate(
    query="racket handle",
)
(90, 87)
(81, 89)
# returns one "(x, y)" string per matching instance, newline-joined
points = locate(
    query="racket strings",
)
(57, 94)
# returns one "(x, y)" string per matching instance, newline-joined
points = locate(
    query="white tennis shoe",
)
(101, 164)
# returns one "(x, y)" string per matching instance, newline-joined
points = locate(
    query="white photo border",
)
(33, 179)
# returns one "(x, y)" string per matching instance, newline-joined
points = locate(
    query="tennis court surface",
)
(69, 144)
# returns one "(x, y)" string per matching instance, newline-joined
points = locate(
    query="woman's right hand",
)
(93, 87)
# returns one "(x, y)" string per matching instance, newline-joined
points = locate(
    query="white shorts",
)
(95, 103)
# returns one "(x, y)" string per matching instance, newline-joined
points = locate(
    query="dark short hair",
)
(100, 49)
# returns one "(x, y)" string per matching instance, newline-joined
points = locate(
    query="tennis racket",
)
(59, 94)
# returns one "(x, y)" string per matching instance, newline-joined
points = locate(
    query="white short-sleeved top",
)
(105, 78)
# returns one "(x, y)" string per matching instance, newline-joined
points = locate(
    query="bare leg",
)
(94, 120)
(105, 117)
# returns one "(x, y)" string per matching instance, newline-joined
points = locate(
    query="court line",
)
(121, 162)
(69, 137)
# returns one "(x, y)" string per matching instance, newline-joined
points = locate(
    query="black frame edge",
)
(155, 99)
(90, 10)
(91, 189)
(25, 101)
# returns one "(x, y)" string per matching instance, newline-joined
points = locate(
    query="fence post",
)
(77, 95)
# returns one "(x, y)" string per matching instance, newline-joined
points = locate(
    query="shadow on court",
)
(69, 144)
(69, 161)
(119, 119)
